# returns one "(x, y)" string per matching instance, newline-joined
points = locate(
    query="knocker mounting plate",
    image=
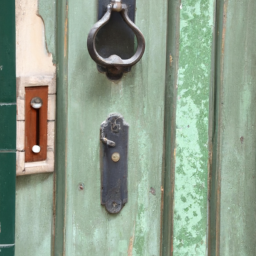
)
(114, 151)
(111, 41)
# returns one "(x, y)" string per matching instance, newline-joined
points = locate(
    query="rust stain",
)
(223, 34)
(171, 59)
(218, 192)
(218, 219)
(130, 246)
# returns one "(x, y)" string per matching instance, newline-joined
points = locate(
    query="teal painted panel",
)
(191, 175)
(7, 251)
(7, 197)
(34, 214)
(7, 52)
(8, 127)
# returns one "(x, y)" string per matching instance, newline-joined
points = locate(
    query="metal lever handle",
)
(36, 103)
(115, 60)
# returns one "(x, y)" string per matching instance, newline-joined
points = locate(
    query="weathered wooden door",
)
(146, 97)
(190, 105)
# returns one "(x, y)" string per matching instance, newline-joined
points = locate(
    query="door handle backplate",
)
(114, 157)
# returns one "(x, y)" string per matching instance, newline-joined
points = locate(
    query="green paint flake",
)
(190, 215)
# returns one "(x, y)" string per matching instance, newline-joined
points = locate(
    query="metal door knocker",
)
(112, 47)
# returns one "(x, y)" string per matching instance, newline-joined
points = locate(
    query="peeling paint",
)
(32, 57)
(47, 12)
(190, 211)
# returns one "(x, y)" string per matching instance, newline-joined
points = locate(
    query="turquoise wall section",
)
(7, 127)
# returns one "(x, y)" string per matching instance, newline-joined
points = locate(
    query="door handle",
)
(114, 65)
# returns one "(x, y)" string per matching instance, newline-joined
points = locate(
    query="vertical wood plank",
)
(60, 177)
(168, 178)
(139, 97)
(191, 174)
(235, 123)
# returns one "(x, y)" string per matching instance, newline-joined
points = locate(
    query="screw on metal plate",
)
(115, 157)
(114, 168)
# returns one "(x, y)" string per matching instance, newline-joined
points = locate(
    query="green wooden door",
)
(190, 104)
(146, 97)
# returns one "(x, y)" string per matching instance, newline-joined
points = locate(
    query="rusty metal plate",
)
(114, 156)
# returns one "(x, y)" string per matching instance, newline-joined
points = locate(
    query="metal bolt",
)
(36, 103)
(117, 5)
(115, 157)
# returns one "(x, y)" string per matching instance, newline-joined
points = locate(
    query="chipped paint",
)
(190, 211)
(171, 60)
(32, 57)
(130, 248)
(47, 11)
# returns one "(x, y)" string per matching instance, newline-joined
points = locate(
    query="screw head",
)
(115, 157)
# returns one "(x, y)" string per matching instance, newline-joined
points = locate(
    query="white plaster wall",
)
(32, 58)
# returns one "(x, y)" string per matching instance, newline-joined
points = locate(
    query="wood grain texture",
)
(58, 237)
(139, 97)
(168, 178)
(235, 123)
(191, 172)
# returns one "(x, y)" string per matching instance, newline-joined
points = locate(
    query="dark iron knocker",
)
(114, 65)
